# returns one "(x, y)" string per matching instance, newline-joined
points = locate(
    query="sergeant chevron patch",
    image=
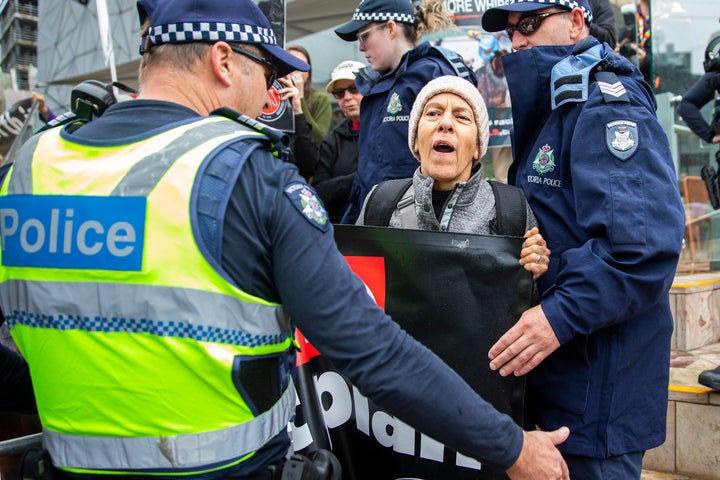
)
(611, 87)
(615, 89)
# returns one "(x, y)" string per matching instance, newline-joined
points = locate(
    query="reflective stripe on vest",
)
(183, 451)
(162, 316)
(134, 367)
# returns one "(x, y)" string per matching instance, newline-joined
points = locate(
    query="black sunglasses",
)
(269, 79)
(529, 23)
(340, 92)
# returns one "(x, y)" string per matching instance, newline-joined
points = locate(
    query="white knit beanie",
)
(463, 89)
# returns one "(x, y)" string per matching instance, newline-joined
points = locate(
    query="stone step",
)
(692, 447)
(692, 444)
(695, 304)
(651, 475)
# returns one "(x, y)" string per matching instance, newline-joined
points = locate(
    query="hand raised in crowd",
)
(535, 256)
(43, 110)
(292, 91)
(539, 458)
(525, 345)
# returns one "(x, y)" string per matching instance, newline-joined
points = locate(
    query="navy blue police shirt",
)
(278, 245)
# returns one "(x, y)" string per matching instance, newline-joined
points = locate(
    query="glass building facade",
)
(681, 31)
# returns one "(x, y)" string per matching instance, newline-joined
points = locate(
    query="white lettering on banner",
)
(483, 5)
(502, 121)
(459, 6)
(386, 429)
(88, 239)
(338, 413)
(472, 6)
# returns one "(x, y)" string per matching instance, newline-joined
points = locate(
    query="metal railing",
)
(20, 444)
(21, 8)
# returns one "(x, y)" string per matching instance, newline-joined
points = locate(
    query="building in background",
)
(18, 41)
(69, 48)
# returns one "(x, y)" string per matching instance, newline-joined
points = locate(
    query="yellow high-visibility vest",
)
(135, 339)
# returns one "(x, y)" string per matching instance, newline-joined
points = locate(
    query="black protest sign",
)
(457, 294)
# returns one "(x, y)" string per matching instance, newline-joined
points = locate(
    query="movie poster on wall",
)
(482, 52)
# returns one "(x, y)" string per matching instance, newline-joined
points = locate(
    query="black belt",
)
(273, 472)
(266, 475)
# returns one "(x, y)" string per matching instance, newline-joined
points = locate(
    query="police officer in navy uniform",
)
(703, 91)
(597, 170)
(153, 260)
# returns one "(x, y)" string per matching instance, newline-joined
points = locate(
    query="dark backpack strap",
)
(510, 210)
(383, 199)
(456, 61)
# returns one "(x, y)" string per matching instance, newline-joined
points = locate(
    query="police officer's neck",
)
(186, 91)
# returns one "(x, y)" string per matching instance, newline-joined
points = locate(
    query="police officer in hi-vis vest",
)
(156, 259)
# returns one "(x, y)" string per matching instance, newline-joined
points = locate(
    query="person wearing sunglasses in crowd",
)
(388, 33)
(302, 148)
(316, 106)
(338, 153)
(596, 168)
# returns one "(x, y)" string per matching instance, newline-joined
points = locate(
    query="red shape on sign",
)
(371, 271)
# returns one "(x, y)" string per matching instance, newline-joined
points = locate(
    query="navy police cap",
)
(235, 21)
(496, 19)
(376, 11)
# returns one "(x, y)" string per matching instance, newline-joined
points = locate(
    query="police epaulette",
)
(611, 87)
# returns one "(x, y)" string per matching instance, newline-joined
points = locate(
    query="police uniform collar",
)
(570, 77)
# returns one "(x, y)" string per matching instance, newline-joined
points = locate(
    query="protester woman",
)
(338, 152)
(448, 134)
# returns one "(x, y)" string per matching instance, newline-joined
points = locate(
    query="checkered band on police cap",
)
(384, 17)
(210, 32)
(495, 19)
(377, 11)
(210, 21)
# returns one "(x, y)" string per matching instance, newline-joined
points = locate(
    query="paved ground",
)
(650, 475)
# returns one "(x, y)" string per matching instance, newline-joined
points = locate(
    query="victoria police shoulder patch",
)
(621, 138)
(307, 202)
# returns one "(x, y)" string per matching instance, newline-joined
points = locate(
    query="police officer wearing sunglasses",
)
(156, 260)
(595, 166)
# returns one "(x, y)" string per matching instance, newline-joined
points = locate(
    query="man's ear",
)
(221, 62)
(578, 24)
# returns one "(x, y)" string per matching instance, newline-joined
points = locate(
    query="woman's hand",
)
(292, 92)
(535, 256)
